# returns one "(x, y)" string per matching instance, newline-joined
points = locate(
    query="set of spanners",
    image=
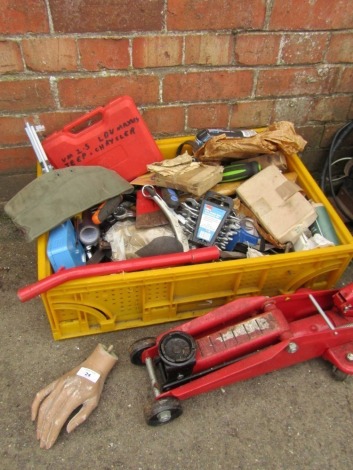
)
(189, 213)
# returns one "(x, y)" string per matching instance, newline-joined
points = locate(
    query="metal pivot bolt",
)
(349, 356)
(292, 348)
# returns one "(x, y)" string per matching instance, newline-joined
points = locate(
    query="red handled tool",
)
(199, 255)
(106, 209)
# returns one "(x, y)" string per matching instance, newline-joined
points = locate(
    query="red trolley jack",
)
(243, 339)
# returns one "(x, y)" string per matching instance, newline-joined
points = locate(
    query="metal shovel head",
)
(60, 194)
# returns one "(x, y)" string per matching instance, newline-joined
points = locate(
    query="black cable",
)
(337, 139)
(340, 135)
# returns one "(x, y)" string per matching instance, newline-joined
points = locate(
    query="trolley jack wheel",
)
(338, 374)
(162, 411)
(138, 347)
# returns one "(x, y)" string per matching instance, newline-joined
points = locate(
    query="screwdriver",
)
(105, 209)
(170, 197)
(240, 171)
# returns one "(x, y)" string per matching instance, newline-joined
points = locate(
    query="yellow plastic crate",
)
(126, 300)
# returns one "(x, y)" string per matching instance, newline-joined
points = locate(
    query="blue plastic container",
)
(64, 250)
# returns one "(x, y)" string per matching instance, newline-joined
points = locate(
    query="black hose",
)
(337, 139)
(340, 135)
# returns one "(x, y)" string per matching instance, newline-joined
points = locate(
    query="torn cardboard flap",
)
(186, 175)
(245, 211)
(279, 136)
(278, 204)
(172, 168)
(184, 159)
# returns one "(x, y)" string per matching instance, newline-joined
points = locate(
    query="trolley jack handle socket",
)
(322, 312)
(152, 375)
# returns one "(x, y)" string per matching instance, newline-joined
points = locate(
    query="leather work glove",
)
(81, 387)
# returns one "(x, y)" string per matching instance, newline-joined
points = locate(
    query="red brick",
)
(99, 15)
(12, 130)
(106, 53)
(55, 121)
(312, 134)
(18, 16)
(98, 91)
(165, 120)
(303, 48)
(252, 113)
(25, 95)
(331, 129)
(292, 109)
(340, 48)
(328, 134)
(311, 15)
(256, 49)
(313, 159)
(157, 51)
(345, 84)
(189, 15)
(296, 81)
(10, 57)
(348, 142)
(209, 49)
(206, 86)
(211, 115)
(330, 108)
(16, 159)
(50, 54)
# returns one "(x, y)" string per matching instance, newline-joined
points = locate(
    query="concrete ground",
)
(296, 418)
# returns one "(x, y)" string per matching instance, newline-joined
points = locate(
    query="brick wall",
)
(187, 64)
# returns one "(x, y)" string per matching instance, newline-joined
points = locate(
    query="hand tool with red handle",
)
(200, 255)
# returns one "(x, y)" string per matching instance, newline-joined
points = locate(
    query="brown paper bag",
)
(279, 136)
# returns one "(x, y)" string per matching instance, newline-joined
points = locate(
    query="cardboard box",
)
(278, 204)
(186, 175)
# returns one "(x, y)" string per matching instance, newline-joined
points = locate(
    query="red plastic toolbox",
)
(114, 136)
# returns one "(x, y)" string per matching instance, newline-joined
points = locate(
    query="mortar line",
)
(50, 18)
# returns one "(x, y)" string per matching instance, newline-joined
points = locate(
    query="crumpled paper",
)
(126, 240)
(279, 136)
